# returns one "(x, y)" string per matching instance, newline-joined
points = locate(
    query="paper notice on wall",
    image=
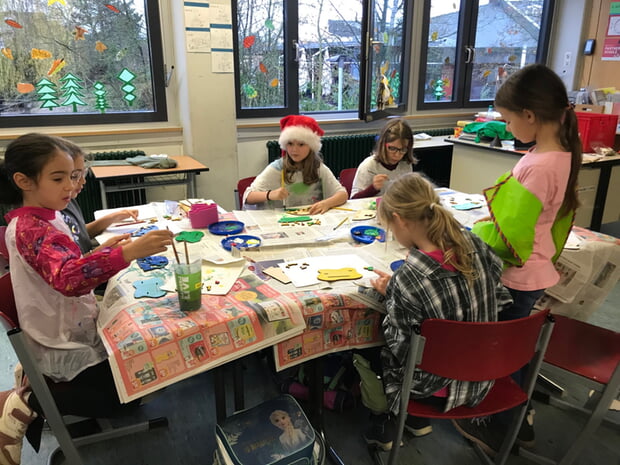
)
(222, 57)
(197, 27)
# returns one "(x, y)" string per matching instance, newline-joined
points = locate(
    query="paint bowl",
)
(241, 241)
(367, 234)
(226, 228)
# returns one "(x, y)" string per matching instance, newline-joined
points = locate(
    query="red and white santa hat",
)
(300, 128)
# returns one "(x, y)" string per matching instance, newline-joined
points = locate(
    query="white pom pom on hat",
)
(300, 128)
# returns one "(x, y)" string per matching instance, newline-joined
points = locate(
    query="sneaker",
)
(381, 432)
(15, 416)
(526, 437)
(479, 430)
(418, 426)
(21, 380)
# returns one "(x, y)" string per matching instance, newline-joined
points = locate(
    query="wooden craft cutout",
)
(364, 215)
(299, 211)
(338, 274)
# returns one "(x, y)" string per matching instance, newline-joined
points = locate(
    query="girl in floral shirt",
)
(53, 285)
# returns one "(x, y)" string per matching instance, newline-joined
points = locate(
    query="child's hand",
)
(151, 243)
(122, 215)
(380, 283)
(319, 207)
(116, 241)
(279, 194)
(379, 180)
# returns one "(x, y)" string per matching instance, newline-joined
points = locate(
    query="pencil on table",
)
(282, 186)
(341, 223)
(344, 209)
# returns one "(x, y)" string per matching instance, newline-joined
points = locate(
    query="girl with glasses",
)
(393, 156)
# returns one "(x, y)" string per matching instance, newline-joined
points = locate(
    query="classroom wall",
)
(202, 121)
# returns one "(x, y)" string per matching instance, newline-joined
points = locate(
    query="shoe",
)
(418, 426)
(479, 430)
(526, 437)
(381, 432)
(21, 380)
(15, 416)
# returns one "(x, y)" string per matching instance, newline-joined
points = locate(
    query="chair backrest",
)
(472, 351)
(242, 185)
(8, 310)
(597, 363)
(346, 178)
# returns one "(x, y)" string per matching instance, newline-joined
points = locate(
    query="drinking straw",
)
(176, 254)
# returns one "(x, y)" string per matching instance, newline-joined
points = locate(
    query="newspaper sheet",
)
(153, 344)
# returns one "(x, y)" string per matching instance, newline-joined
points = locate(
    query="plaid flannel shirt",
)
(422, 289)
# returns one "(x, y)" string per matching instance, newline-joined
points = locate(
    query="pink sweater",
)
(545, 175)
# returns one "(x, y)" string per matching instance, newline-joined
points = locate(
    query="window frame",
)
(291, 70)
(158, 83)
(463, 71)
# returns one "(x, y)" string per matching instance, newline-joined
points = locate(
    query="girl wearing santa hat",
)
(300, 177)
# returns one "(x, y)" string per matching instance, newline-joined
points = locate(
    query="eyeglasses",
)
(78, 175)
(394, 149)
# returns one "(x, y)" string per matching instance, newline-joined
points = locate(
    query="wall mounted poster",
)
(611, 45)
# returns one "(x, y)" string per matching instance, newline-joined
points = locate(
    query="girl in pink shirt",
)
(535, 106)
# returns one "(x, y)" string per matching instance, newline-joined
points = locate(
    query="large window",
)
(320, 56)
(472, 46)
(80, 62)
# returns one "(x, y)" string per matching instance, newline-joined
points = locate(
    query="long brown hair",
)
(414, 199)
(309, 168)
(538, 89)
(395, 129)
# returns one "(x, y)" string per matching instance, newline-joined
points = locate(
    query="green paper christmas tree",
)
(101, 102)
(127, 76)
(46, 90)
(72, 91)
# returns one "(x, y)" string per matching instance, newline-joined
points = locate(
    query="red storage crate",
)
(596, 129)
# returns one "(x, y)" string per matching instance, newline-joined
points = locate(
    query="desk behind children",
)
(122, 178)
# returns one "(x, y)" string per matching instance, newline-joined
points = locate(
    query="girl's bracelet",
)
(268, 192)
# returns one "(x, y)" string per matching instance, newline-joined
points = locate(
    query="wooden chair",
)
(57, 422)
(346, 178)
(242, 185)
(590, 356)
(471, 351)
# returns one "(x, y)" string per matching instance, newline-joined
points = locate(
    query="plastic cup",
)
(188, 278)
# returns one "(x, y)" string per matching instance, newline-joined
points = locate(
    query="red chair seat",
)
(505, 394)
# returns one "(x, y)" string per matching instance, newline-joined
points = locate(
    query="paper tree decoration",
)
(127, 76)
(438, 90)
(101, 102)
(72, 91)
(46, 90)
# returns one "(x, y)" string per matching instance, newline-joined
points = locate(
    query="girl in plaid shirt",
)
(449, 273)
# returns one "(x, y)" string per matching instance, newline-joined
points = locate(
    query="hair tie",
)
(432, 206)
